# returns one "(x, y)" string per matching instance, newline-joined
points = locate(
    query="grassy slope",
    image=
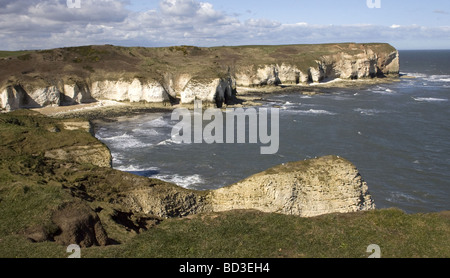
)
(252, 234)
(31, 187)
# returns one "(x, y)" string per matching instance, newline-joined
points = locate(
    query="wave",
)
(429, 99)
(116, 137)
(146, 131)
(368, 112)
(430, 78)
(382, 90)
(289, 105)
(438, 78)
(159, 122)
(312, 112)
(134, 168)
(167, 142)
(183, 181)
(415, 74)
(170, 141)
(125, 141)
(397, 196)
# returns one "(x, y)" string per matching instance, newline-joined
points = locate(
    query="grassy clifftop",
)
(102, 62)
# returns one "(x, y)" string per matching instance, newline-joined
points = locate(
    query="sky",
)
(43, 24)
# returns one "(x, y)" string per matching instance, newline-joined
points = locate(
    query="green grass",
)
(6, 54)
(252, 234)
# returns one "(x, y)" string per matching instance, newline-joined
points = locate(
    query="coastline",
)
(245, 97)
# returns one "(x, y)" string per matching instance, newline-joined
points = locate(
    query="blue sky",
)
(337, 12)
(38, 24)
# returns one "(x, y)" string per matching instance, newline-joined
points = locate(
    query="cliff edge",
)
(179, 74)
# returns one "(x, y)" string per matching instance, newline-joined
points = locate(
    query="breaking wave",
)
(183, 181)
(429, 99)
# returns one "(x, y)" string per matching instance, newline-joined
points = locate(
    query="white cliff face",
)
(315, 75)
(307, 188)
(48, 96)
(276, 75)
(15, 97)
(174, 84)
(74, 95)
(342, 65)
(268, 75)
(10, 99)
(199, 90)
(347, 66)
(216, 91)
(133, 91)
(390, 63)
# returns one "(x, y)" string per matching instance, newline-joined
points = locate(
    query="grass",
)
(6, 54)
(253, 234)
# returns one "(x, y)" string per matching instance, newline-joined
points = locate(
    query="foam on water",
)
(397, 196)
(170, 141)
(368, 112)
(429, 99)
(135, 168)
(183, 181)
(383, 90)
(313, 112)
(438, 78)
(415, 74)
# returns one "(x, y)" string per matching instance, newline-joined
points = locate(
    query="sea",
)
(397, 135)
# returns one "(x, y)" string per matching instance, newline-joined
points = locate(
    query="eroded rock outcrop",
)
(79, 224)
(306, 188)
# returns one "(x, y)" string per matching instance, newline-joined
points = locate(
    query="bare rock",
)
(98, 154)
(79, 224)
(306, 188)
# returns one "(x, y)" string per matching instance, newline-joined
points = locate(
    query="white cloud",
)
(179, 7)
(31, 24)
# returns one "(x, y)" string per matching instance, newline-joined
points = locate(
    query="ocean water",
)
(396, 134)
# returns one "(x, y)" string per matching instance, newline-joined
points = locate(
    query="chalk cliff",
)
(179, 74)
(306, 188)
